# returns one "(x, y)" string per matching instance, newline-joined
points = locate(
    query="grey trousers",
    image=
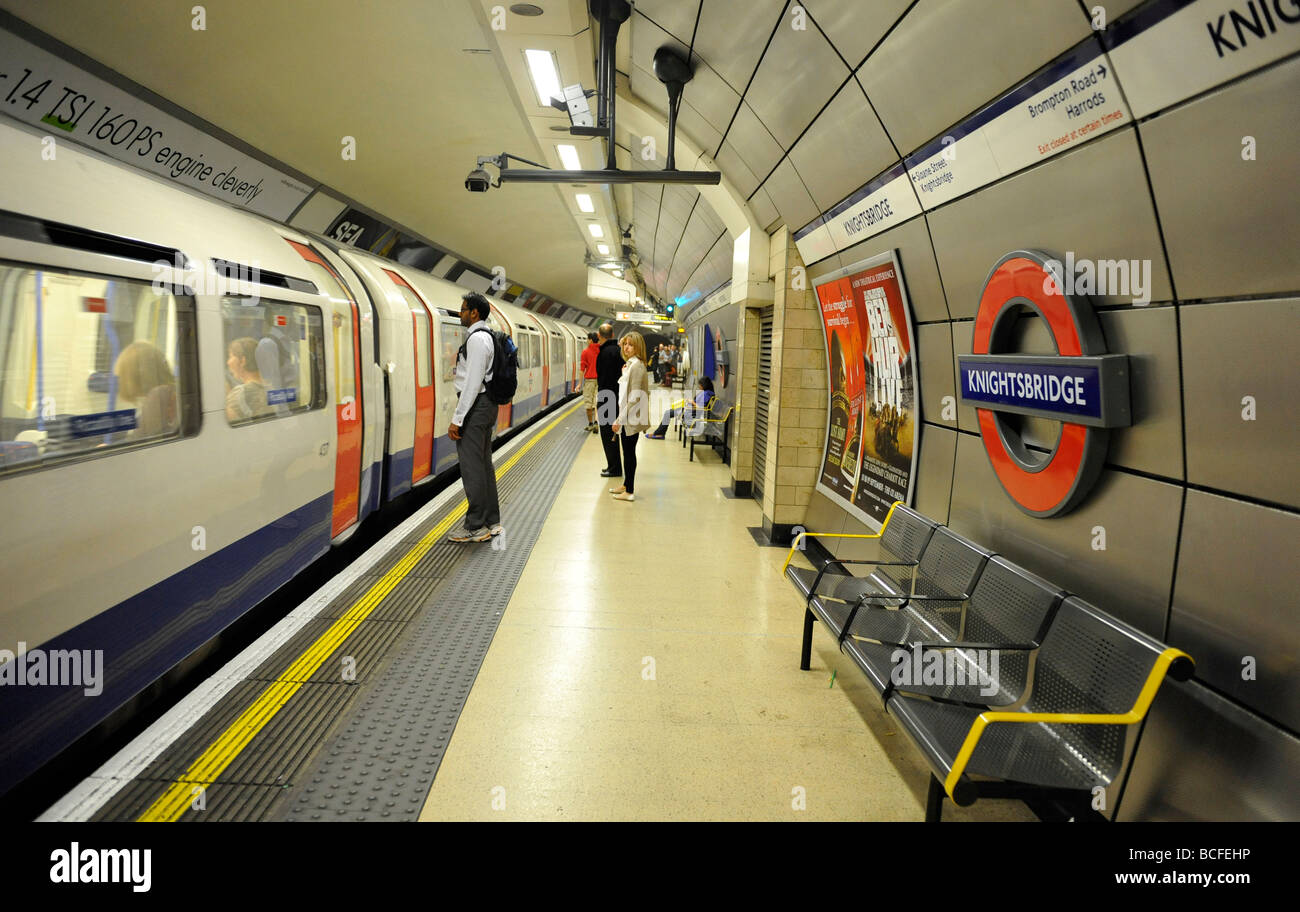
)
(474, 451)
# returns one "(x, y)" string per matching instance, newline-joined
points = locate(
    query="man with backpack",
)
(473, 421)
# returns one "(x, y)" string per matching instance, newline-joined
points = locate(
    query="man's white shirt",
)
(474, 370)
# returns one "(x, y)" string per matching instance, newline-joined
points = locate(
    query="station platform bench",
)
(1007, 684)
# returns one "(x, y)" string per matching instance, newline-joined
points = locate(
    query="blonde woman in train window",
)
(247, 399)
(145, 380)
(633, 409)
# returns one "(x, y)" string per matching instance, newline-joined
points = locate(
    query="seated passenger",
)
(702, 401)
(247, 399)
(145, 380)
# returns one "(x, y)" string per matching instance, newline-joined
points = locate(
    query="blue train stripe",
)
(150, 633)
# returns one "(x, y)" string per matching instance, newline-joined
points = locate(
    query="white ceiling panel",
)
(677, 16)
(708, 93)
(853, 26)
(764, 211)
(799, 74)
(843, 149)
(734, 167)
(945, 53)
(695, 125)
(754, 143)
(790, 196)
(648, 38)
(732, 34)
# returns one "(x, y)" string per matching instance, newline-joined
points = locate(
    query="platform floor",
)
(647, 668)
(603, 660)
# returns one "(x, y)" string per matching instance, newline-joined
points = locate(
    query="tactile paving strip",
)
(382, 761)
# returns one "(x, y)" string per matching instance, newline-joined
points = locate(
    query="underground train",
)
(195, 404)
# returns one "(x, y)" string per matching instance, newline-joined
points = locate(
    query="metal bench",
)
(712, 428)
(897, 606)
(981, 655)
(1094, 677)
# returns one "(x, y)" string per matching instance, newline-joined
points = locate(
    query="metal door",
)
(764, 397)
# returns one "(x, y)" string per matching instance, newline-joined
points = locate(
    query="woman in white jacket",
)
(633, 409)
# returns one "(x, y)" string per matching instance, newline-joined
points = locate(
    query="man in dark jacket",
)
(609, 367)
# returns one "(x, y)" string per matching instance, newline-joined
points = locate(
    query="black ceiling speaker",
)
(673, 72)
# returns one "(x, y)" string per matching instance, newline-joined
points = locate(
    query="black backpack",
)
(505, 366)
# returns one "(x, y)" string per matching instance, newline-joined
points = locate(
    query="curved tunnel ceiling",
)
(798, 104)
(801, 104)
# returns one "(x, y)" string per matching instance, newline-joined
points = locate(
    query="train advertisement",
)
(869, 460)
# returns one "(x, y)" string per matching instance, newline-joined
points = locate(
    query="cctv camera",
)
(478, 181)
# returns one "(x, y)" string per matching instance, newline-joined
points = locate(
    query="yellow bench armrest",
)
(1136, 714)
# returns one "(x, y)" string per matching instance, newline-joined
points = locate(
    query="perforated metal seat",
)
(1009, 612)
(1101, 671)
(831, 595)
(944, 579)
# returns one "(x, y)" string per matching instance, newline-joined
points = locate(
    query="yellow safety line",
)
(223, 751)
(1139, 710)
(798, 539)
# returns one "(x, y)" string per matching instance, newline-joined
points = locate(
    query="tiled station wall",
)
(1199, 505)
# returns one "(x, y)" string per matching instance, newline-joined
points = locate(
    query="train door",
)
(559, 366)
(344, 338)
(422, 353)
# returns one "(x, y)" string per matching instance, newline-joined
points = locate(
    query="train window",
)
(275, 359)
(453, 334)
(90, 363)
(557, 350)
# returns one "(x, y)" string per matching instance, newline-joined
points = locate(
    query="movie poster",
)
(869, 460)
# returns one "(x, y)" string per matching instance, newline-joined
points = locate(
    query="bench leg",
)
(934, 801)
(805, 658)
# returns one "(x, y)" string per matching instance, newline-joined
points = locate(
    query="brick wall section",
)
(797, 412)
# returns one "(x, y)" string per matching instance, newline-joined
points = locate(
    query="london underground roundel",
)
(1080, 386)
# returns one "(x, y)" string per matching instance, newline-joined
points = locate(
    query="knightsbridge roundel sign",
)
(1081, 386)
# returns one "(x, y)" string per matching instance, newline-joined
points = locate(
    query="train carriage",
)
(195, 403)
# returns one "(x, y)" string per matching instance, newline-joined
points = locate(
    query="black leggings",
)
(629, 460)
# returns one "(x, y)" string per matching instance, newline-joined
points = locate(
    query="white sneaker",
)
(625, 496)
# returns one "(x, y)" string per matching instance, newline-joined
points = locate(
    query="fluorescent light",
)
(546, 76)
(585, 203)
(596, 230)
(603, 249)
(569, 157)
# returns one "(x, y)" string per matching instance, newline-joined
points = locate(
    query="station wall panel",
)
(1093, 202)
(933, 348)
(1129, 579)
(843, 149)
(1231, 225)
(916, 257)
(968, 60)
(1203, 757)
(1149, 336)
(934, 471)
(1234, 597)
(1232, 350)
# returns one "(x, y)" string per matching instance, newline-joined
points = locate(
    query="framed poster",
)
(869, 460)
